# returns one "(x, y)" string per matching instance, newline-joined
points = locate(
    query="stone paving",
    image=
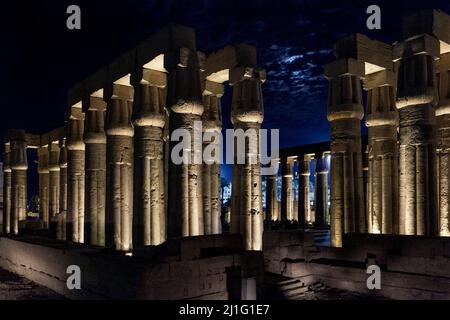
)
(13, 287)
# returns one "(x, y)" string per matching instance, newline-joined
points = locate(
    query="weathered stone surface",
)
(417, 137)
(344, 114)
(247, 114)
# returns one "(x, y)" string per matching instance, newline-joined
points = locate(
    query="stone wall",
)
(195, 268)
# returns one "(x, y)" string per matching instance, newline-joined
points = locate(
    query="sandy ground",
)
(13, 287)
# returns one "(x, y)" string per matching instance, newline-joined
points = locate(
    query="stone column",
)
(287, 192)
(271, 198)
(415, 104)
(119, 172)
(62, 217)
(443, 144)
(95, 161)
(7, 189)
(185, 179)
(19, 166)
(54, 179)
(345, 112)
(321, 191)
(149, 118)
(44, 174)
(381, 121)
(304, 206)
(75, 179)
(212, 127)
(247, 114)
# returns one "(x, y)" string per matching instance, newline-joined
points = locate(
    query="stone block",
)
(378, 79)
(343, 67)
(376, 54)
(422, 44)
(433, 22)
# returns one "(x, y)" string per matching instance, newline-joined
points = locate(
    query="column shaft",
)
(212, 125)
(247, 116)
(19, 166)
(54, 180)
(383, 160)
(443, 144)
(43, 185)
(119, 171)
(185, 212)
(417, 122)
(95, 188)
(304, 206)
(75, 180)
(62, 217)
(271, 198)
(287, 194)
(321, 192)
(149, 117)
(7, 189)
(344, 114)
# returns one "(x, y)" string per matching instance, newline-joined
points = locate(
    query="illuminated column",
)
(304, 172)
(381, 121)
(443, 144)
(62, 217)
(95, 162)
(185, 178)
(54, 179)
(247, 115)
(19, 166)
(321, 191)
(119, 161)
(43, 185)
(149, 119)
(271, 198)
(7, 189)
(417, 123)
(75, 179)
(345, 112)
(212, 126)
(287, 193)
(365, 167)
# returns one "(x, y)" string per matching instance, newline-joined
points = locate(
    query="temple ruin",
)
(109, 192)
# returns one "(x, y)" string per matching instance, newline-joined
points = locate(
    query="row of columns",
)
(15, 167)
(105, 183)
(304, 213)
(407, 118)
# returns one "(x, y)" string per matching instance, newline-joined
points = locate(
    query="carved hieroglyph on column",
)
(321, 191)
(212, 126)
(95, 162)
(185, 180)
(62, 217)
(54, 180)
(417, 135)
(381, 121)
(43, 185)
(247, 114)
(345, 112)
(287, 190)
(304, 173)
(271, 198)
(7, 189)
(19, 166)
(75, 177)
(149, 117)
(443, 144)
(119, 161)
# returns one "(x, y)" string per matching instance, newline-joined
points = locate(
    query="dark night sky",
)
(294, 38)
